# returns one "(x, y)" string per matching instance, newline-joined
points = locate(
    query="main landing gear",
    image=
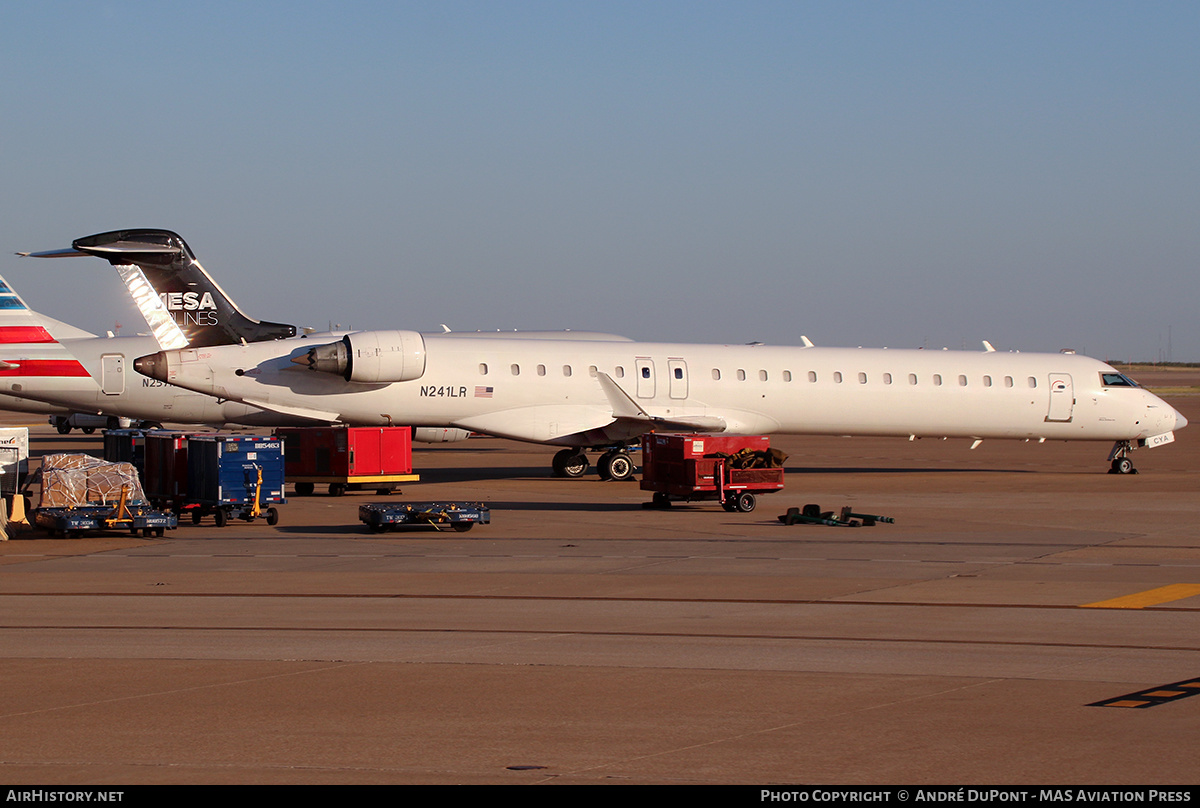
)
(615, 464)
(1122, 463)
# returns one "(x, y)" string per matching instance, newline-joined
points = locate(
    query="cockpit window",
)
(1117, 380)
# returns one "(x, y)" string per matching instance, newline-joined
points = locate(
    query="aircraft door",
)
(112, 374)
(645, 378)
(1062, 398)
(678, 382)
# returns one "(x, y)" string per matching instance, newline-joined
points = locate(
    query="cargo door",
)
(1062, 398)
(112, 374)
(645, 378)
(678, 384)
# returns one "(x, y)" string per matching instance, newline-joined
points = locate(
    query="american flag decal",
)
(483, 392)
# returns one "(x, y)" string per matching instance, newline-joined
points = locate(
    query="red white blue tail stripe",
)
(26, 347)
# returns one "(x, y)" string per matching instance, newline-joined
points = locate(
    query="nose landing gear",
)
(1122, 463)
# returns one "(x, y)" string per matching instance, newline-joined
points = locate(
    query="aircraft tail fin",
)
(29, 342)
(180, 301)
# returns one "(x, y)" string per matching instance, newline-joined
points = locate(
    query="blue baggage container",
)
(235, 476)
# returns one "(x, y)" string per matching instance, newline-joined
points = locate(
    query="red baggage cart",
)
(705, 467)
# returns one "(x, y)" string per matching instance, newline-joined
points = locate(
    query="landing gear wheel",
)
(220, 517)
(304, 489)
(570, 463)
(272, 516)
(1123, 465)
(746, 502)
(615, 465)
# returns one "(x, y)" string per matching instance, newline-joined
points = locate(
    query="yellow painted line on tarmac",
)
(1151, 597)
(1153, 696)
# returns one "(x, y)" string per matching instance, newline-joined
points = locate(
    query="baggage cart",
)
(688, 466)
(234, 477)
(348, 458)
(81, 494)
(165, 470)
(457, 516)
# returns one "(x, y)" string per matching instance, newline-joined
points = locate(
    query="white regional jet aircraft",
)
(50, 367)
(603, 393)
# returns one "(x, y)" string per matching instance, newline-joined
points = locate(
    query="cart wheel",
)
(159, 531)
(63, 428)
(88, 430)
(220, 517)
(196, 516)
(729, 505)
(376, 528)
(462, 527)
(272, 516)
(746, 502)
(304, 489)
(384, 492)
(661, 500)
(337, 489)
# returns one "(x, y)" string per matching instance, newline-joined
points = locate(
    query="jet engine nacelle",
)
(372, 356)
(439, 434)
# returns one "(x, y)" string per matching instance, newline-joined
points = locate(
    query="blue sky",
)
(879, 174)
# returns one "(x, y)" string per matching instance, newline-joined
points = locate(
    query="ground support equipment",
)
(458, 516)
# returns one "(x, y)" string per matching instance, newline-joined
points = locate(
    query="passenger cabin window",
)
(741, 374)
(987, 381)
(1033, 381)
(787, 375)
(716, 375)
(541, 370)
(483, 368)
(566, 370)
(678, 373)
(1008, 381)
(516, 370)
(762, 375)
(620, 372)
(837, 376)
(862, 378)
(912, 378)
(812, 375)
(645, 373)
(937, 379)
(962, 380)
(887, 378)
(592, 370)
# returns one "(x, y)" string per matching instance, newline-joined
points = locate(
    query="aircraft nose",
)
(1180, 421)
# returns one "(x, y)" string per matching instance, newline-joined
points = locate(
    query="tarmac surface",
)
(580, 638)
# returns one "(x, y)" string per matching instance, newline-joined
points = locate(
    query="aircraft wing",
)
(626, 409)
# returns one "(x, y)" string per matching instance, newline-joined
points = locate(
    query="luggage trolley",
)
(706, 467)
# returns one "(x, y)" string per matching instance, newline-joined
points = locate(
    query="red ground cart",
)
(703, 467)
